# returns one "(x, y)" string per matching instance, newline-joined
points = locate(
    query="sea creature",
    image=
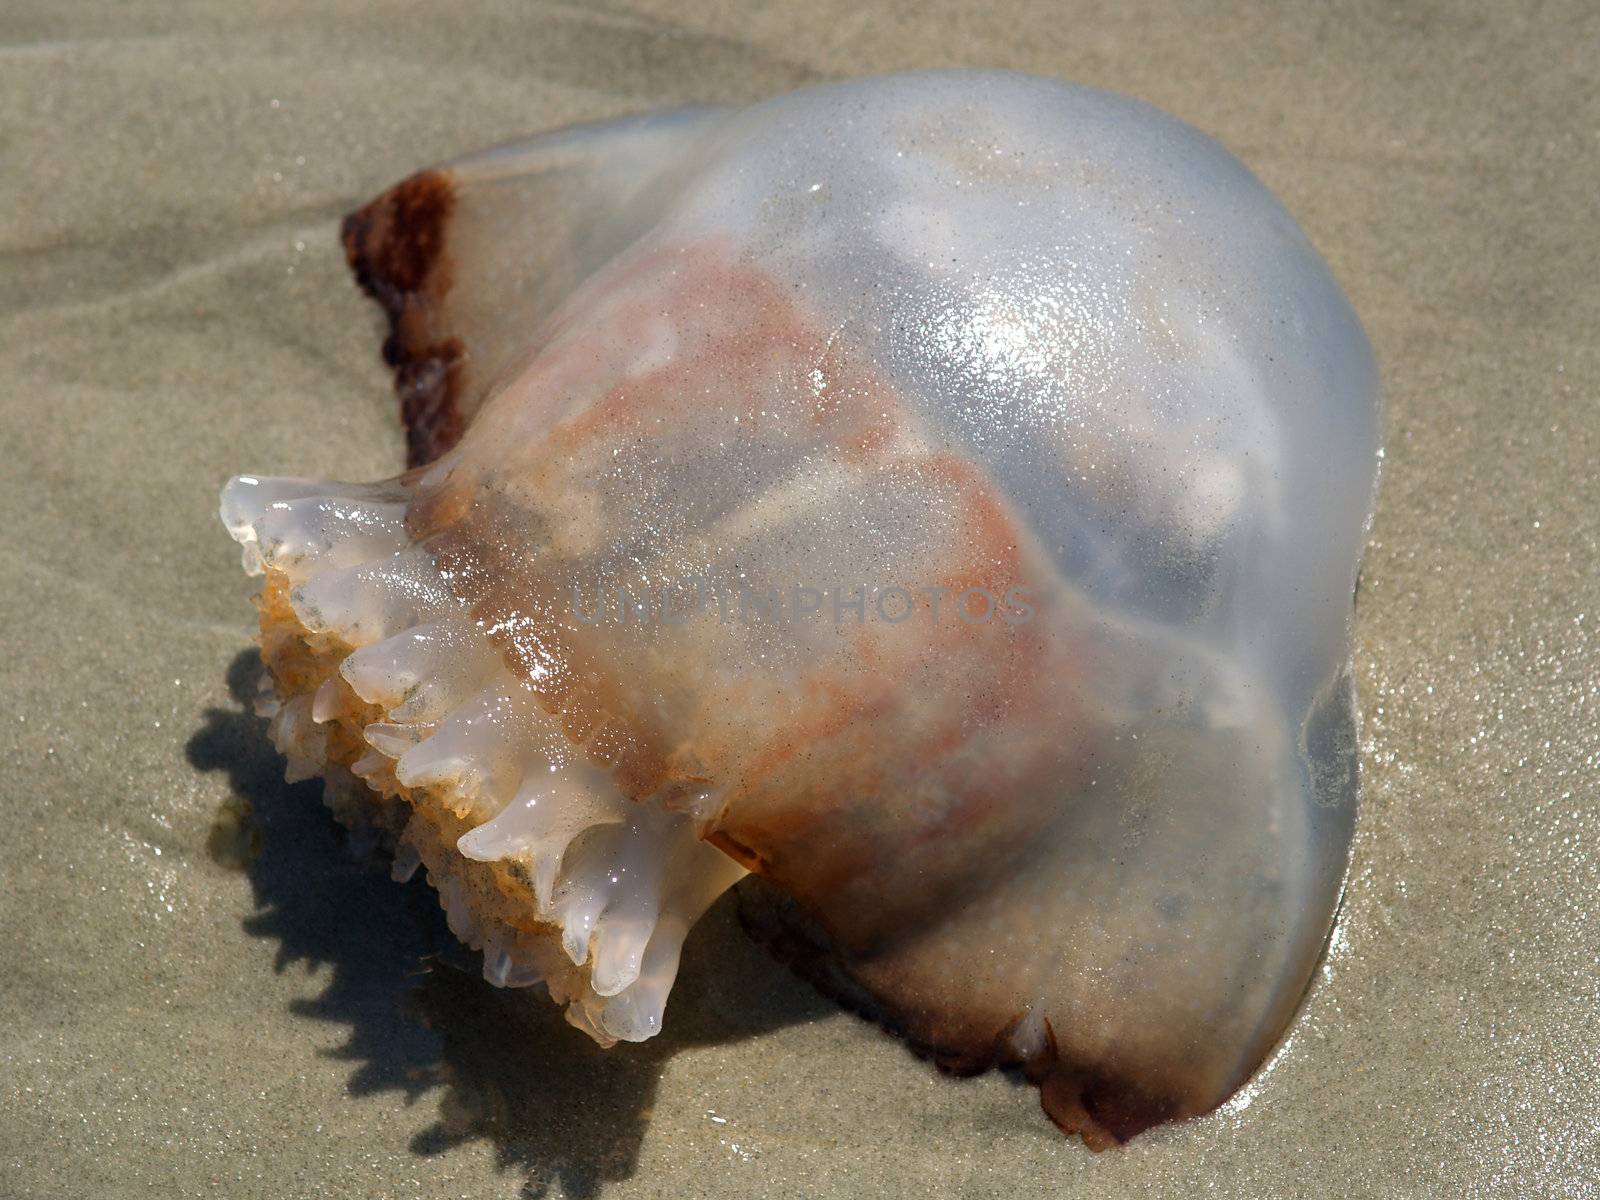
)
(939, 496)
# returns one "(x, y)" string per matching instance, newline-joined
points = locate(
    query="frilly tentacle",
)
(384, 684)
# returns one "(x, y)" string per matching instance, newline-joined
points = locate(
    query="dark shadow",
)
(507, 1067)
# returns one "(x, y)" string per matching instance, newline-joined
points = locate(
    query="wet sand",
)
(199, 1001)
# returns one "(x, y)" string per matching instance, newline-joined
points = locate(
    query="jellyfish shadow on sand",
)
(505, 1065)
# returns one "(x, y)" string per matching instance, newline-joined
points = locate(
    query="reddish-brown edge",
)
(396, 247)
(1102, 1109)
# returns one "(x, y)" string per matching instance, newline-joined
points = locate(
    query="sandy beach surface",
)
(203, 993)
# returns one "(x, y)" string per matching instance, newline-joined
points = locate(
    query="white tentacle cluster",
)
(538, 857)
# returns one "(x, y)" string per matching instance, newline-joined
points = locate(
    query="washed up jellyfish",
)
(935, 497)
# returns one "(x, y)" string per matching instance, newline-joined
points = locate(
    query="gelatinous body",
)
(938, 495)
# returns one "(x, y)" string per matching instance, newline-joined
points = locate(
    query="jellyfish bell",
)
(978, 466)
